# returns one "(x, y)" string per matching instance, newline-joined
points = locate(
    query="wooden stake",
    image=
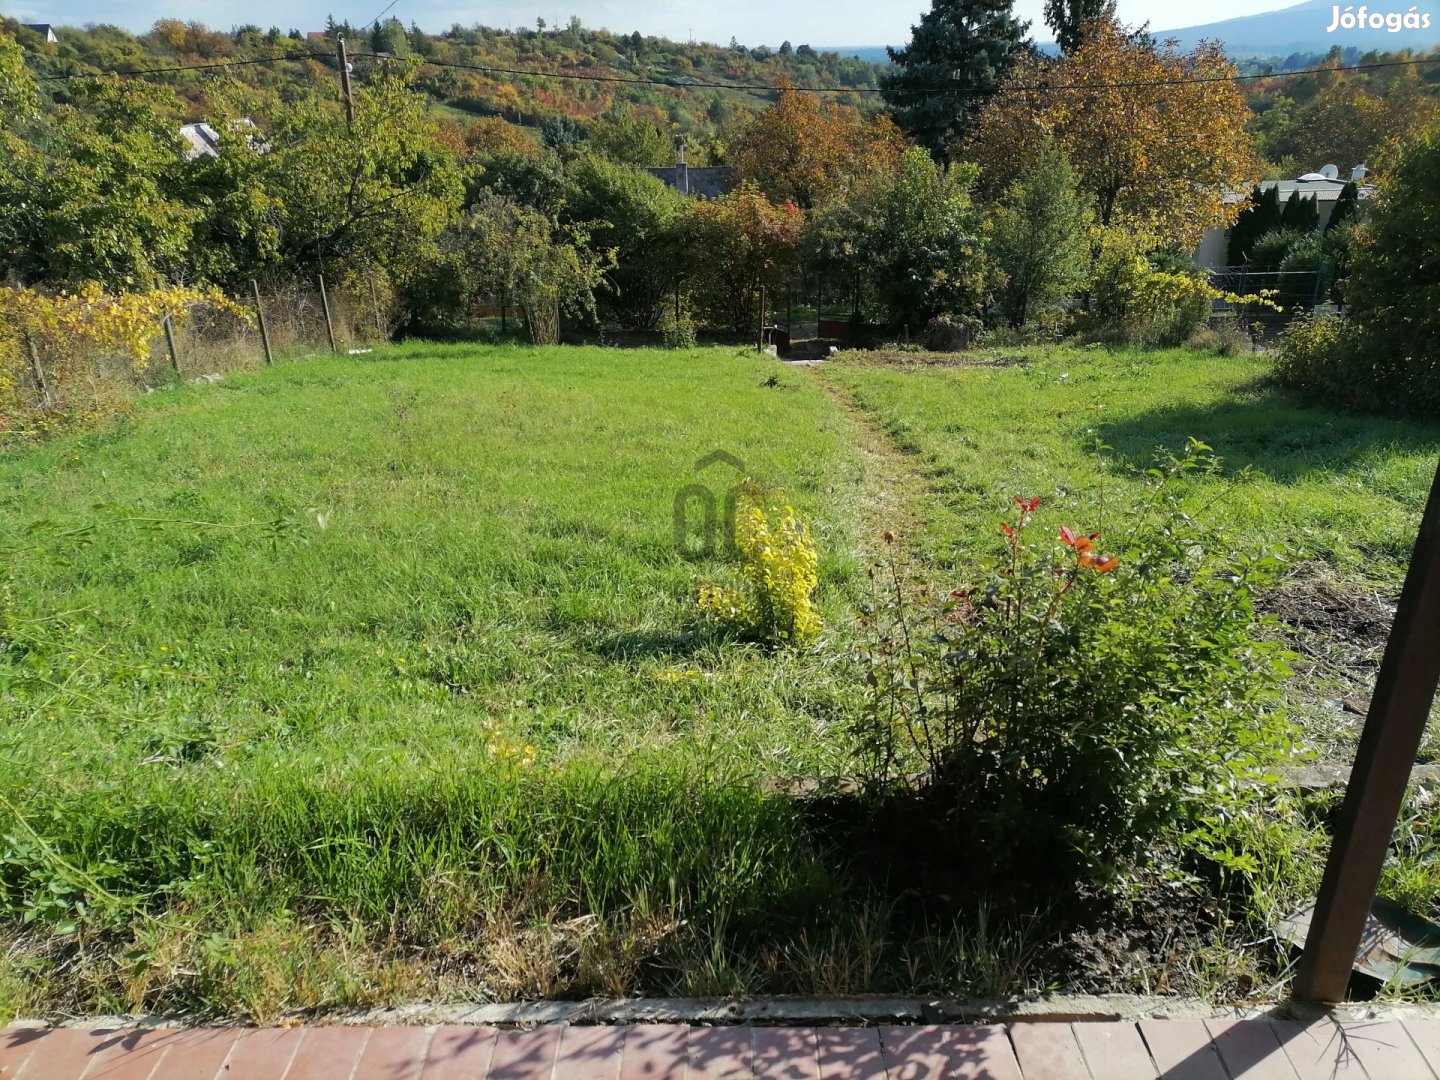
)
(170, 344)
(260, 318)
(325, 304)
(1394, 726)
(37, 369)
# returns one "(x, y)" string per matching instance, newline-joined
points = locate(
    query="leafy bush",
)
(1135, 302)
(779, 568)
(1317, 355)
(680, 333)
(1081, 696)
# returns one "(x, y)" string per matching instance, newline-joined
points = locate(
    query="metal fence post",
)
(1394, 727)
(325, 304)
(260, 318)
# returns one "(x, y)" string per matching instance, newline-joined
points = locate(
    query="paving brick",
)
(1386, 1050)
(655, 1052)
(1048, 1051)
(127, 1055)
(459, 1053)
(197, 1053)
(1424, 1033)
(264, 1052)
(590, 1053)
(328, 1053)
(15, 1047)
(1114, 1050)
(1182, 1049)
(525, 1055)
(720, 1053)
(63, 1054)
(850, 1054)
(1317, 1051)
(784, 1054)
(1250, 1049)
(947, 1052)
(394, 1053)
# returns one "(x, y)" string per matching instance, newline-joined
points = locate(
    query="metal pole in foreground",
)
(760, 335)
(344, 61)
(1399, 709)
(260, 318)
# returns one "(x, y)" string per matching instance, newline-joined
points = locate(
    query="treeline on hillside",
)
(701, 114)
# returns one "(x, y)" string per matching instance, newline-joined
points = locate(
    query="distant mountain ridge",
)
(1304, 28)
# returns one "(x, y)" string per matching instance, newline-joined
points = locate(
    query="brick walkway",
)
(1173, 1049)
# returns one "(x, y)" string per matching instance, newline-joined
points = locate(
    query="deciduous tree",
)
(734, 245)
(1157, 136)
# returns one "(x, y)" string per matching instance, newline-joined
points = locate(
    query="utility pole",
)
(345, 82)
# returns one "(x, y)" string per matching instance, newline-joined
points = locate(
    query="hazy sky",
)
(754, 22)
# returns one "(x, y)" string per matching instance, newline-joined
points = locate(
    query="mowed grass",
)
(1343, 490)
(401, 649)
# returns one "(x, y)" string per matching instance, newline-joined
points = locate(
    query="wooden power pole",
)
(345, 82)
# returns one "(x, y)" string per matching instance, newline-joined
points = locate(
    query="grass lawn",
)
(361, 680)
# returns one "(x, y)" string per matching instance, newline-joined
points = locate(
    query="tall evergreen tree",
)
(1260, 217)
(1068, 19)
(1345, 207)
(964, 47)
(1300, 214)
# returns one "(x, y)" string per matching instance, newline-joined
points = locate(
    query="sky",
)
(753, 22)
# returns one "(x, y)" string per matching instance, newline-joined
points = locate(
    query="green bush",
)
(1080, 697)
(1316, 355)
(1139, 297)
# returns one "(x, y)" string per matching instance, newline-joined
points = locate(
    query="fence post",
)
(260, 318)
(170, 344)
(375, 304)
(325, 304)
(37, 369)
(760, 336)
(1404, 691)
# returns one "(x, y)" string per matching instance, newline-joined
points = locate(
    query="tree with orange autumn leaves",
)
(736, 244)
(1156, 146)
(800, 146)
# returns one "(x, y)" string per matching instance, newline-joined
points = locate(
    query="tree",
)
(734, 245)
(925, 247)
(1068, 19)
(1162, 155)
(968, 46)
(103, 206)
(1393, 291)
(375, 195)
(799, 145)
(629, 139)
(515, 253)
(1347, 207)
(1038, 237)
(1260, 215)
(1301, 215)
(633, 218)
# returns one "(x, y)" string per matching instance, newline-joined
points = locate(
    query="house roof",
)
(204, 141)
(1322, 190)
(703, 181)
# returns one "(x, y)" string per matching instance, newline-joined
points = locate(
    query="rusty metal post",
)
(760, 336)
(1404, 692)
(260, 318)
(325, 305)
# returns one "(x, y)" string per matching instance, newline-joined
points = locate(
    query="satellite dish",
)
(1330, 172)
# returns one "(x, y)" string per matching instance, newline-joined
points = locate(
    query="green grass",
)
(355, 681)
(1344, 490)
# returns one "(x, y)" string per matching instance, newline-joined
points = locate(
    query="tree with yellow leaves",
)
(797, 147)
(1157, 136)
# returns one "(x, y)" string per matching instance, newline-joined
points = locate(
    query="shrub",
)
(950, 333)
(1135, 302)
(778, 566)
(1317, 355)
(680, 332)
(1080, 697)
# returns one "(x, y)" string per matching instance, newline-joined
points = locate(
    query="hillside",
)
(1303, 28)
(526, 76)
